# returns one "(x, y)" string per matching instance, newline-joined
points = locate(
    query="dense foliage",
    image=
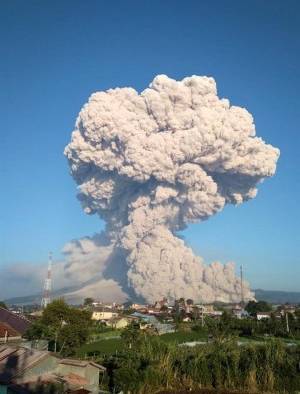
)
(88, 301)
(152, 365)
(254, 307)
(65, 327)
(3, 305)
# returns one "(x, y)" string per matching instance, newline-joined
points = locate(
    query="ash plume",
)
(149, 164)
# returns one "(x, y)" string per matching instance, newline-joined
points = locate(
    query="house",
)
(111, 306)
(207, 309)
(26, 370)
(201, 310)
(118, 322)
(138, 307)
(12, 326)
(284, 309)
(84, 374)
(38, 313)
(8, 334)
(19, 365)
(239, 313)
(263, 315)
(215, 314)
(101, 314)
(154, 311)
(153, 322)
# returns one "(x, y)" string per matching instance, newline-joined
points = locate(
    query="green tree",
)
(254, 307)
(3, 305)
(132, 335)
(88, 301)
(64, 326)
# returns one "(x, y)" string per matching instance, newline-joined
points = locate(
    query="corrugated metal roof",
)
(15, 360)
(80, 363)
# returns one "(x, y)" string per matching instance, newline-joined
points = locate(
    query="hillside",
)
(272, 296)
(277, 297)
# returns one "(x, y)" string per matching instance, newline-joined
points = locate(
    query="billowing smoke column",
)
(151, 163)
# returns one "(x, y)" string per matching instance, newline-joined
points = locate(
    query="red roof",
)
(7, 330)
(18, 323)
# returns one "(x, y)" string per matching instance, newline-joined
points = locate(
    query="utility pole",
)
(215, 287)
(47, 284)
(287, 322)
(242, 287)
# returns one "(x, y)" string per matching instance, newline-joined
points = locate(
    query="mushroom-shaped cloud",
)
(151, 163)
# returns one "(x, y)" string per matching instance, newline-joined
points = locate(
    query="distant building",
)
(101, 314)
(152, 322)
(118, 322)
(206, 310)
(263, 315)
(287, 309)
(38, 313)
(111, 306)
(138, 307)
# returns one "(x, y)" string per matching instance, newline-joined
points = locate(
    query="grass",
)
(107, 344)
(98, 336)
(102, 347)
(202, 391)
(182, 336)
(111, 345)
(289, 340)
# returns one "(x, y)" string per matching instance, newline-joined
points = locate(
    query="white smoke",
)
(86, 261)
(151, 163)
(86, 258)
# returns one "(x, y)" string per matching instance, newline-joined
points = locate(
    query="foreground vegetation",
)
(152, 365)
(142, 363)
(233, 355)
(64, 327)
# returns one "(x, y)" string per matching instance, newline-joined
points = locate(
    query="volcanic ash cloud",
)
(151, 163)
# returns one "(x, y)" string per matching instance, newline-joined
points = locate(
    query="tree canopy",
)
(64, 326)
(3, 305)
(254, 307)
(88, 301)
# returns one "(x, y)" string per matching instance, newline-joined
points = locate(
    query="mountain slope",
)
(271, 296)
(277, 297)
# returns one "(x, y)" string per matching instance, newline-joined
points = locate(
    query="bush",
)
(153, 365)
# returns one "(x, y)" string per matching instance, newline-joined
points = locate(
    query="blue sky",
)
(54, 54)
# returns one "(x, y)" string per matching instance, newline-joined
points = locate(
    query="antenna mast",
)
(47, 284)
